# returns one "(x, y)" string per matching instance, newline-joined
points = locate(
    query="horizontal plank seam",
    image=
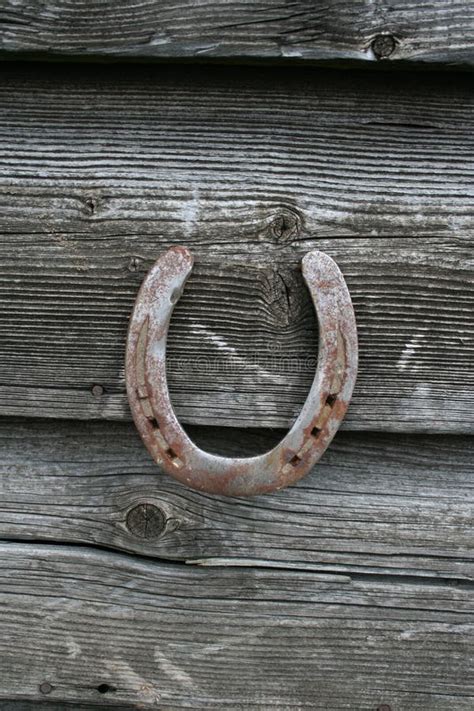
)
(400, 65)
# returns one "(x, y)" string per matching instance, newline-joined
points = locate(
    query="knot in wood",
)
(286, 298)
(383, 46)
(146, 521)
(286, 226)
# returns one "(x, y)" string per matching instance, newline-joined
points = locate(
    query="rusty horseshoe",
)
(314, 428)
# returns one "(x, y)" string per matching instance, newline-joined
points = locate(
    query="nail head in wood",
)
(97, 390)
(146, 521)
(383, 46)
(45, 687)
(105, 688)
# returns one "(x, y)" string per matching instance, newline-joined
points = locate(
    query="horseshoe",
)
(314, 428)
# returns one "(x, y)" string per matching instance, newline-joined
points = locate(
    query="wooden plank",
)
(420, 33)
(12, 705)
(100, 172)
(99, 627)
(248, 357)
(382, 503)
(210, 154)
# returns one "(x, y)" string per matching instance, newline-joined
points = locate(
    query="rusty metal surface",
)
(317, 422)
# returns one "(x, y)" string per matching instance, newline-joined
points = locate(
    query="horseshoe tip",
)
(183, 254)
(312, 261)
(315, 264)
(181, 250)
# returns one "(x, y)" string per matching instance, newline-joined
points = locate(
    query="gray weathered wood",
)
(169, 636)
(423, 33)
(383, 503)
(104, 702)
(243, 341)
(100, 172)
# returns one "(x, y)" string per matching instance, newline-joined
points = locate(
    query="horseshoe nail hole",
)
(331, 399)
(174, 296)
(154, 424)
(175, 460)
(105, 688)
(294, 461)
(315, 432)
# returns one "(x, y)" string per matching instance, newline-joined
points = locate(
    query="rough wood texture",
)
(422, 33)
(94, 625)
(100, 172)
(381, 503)
(104, 701)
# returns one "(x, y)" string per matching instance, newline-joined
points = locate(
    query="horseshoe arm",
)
(313, 429)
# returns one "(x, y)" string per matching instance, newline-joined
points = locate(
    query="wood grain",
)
(156, 635)
(419, 33)
(387, 504)
(102, 171)
(12, 705)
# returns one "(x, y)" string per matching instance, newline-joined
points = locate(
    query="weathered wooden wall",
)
(351, 590)
(163, 636)
(101, 173)
(119, 587)
(437, 32)
(396, 504)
